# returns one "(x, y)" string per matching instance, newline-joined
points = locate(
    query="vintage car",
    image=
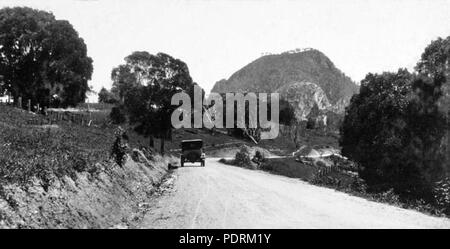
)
(192, 151)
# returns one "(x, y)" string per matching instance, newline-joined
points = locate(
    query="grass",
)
(98, 112)
(28, 151)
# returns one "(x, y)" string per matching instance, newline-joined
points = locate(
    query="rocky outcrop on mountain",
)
(302, 77)
(303, 96)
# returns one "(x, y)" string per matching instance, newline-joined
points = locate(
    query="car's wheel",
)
(182, 163)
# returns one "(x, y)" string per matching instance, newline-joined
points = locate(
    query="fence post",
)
(19, 102)
(29, 105)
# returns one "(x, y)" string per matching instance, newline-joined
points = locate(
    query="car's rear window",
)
(192, 145)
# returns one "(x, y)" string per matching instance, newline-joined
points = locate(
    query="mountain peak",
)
(272, 71)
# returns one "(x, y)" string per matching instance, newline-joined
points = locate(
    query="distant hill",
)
(300, 71)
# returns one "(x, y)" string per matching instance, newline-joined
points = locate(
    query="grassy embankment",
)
(61, 175)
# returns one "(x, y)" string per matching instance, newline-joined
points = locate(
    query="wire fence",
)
(44, 116)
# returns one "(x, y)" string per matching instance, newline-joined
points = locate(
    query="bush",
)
(358, 185)
(259, 157)
(442, 195)
(242, 157)
(79, 163)
(326, 180)
(267, 166)
(117, 115)
(389, 196)
(120, 147)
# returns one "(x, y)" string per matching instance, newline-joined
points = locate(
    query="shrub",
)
(259, 157)
(79, 162)
(442, 195)
(119, 148)
(117, 115)
(242, 157)
(267, 166)
(358, 185)
(389, 196)
(326, 180)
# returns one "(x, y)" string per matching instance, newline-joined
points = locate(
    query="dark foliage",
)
(374, 128)
(117, 115)
(146, 84)
(105, 96)
(120, 147)
(435, 60)
(42, 59)
(394, 131)
(287, 114)
(259, 158)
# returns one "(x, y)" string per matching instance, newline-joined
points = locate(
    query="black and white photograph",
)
(191, 115)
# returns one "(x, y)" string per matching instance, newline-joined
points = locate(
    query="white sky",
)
(216, 38)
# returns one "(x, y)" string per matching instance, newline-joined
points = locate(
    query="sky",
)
(217, 38)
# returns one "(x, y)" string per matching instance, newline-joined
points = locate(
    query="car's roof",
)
(191, 140)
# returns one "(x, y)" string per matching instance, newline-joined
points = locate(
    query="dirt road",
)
(221, 196)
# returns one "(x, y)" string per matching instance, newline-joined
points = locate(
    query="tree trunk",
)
(162, 146)
(151, 142)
